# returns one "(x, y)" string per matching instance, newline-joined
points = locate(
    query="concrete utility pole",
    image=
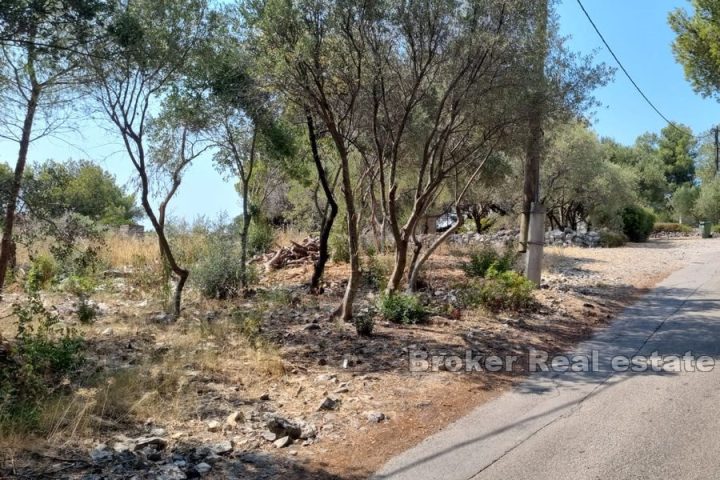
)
(533, 214)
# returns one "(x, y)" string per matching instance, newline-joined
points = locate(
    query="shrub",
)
(219, 274)
(82, 287)
(401, 308)
(339, 244)
(637, 223)
(42, 270)
(364, 324)
(506, 291)
(715, 229)
(30, 368)
(487, 257)
(261, 236)
(375, 273)
(671, 228)
(610, 239)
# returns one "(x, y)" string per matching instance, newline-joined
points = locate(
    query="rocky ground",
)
(269, 387)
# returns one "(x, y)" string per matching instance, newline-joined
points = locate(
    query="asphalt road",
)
(656, 424)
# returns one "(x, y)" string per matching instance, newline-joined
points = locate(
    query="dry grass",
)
(122, 251)
(284, 238)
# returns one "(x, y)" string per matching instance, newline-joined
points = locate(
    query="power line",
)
(622, 67)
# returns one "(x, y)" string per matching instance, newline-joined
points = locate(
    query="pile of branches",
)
(296, 254)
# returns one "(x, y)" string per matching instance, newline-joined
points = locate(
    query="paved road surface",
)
(601, 425)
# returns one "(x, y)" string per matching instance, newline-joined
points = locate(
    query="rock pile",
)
(567, 238)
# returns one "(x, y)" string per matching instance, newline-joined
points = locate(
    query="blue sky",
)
(638, 32)
(636, 29)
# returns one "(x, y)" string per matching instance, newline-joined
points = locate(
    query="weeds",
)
(505, 291)
(30, 368)
(486, 258)
(402, 308)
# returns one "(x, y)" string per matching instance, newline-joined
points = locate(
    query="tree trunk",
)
(244, 237)
(401, 247)
(420, 261)
(354, 242)
(245, 176)
(7, 244)
(328, 220)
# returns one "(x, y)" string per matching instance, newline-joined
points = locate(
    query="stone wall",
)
(565, 238)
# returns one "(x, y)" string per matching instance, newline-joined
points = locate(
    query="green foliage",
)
(364, 324)
(79, 187)
(77, 241)
(683, 203)
(506, 291)
(695, 46)
(82, 287)
(637, 223)
(35, 363)
(261, 236)
(611, 239)
(488, 257)
(375, 273)
(707, 207)
(219, 273)
(42, 272)
(402, 308)
(671, 228)
(339, 246)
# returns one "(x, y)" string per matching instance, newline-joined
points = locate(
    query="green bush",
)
(364, 324)
(34, 364)
(42, 271)
(339, 244)
(402, 308)
(671, 228)
(506, 291)
(375, 273)
(610, 239)
(261, 236)
(715, 229)
(219, 274)
(637, 223)
(82, 287)
(486, 258)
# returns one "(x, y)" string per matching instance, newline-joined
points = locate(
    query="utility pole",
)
(533, 213)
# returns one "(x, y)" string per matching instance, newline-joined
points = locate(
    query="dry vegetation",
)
(277, 351)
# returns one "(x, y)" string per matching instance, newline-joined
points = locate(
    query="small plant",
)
(219, 275)
(261, 236)
(339, 247)
(610, 239)
(29, 369)
(486, 258)
(364, 324)
(82, 287)
(375, 273)
(402, 308)
(42, 271)
(506, 291)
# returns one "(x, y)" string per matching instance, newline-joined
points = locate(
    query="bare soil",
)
(179, 377)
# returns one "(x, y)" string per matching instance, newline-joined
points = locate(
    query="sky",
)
(636, 29)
